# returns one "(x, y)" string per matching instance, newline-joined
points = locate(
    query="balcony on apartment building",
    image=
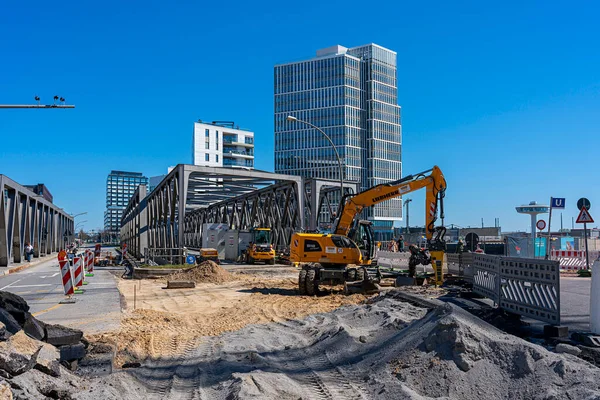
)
(233, 139)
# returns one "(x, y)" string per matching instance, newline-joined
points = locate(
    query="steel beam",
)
(28, 217)
(190, 196)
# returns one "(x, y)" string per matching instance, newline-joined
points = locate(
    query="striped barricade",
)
(570, 260)
(90, 263)
(77, 272)
(568, 254)
(67, 281)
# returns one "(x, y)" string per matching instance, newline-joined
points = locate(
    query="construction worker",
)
(400, 243)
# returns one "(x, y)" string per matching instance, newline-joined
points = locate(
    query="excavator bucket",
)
(366, 286)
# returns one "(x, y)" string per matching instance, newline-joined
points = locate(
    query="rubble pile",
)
(36, 359)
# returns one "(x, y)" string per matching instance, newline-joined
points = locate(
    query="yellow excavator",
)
(325, 258)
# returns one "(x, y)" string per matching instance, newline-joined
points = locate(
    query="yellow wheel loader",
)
(260, 248)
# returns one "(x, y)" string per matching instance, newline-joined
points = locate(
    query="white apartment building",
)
(222, 144)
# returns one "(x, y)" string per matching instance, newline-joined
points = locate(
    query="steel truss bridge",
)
(28, 217)
(173, 214)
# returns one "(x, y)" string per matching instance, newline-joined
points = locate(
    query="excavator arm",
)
(434, 182)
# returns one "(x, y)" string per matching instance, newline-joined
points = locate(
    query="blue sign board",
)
(540, 247)
(190, 259)
(558, 202)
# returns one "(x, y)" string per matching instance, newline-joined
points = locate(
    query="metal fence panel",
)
(531, 288)
(486, 276)
(453, 263)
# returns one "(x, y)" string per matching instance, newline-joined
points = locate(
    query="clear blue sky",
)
(504, 98)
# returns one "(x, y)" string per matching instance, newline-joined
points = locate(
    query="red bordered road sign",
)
(541, 224)
(584, 216)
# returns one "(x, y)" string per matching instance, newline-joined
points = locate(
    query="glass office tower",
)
(120, 187)
(350, 93)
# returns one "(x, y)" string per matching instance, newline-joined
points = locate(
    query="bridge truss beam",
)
(28, 217)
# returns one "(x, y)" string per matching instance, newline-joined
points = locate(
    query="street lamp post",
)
(294, 119)
(407, 202)
(77, 215)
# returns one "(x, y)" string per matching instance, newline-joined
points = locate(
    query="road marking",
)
(7, 286)
(54, 307)
(40, 285)
(50, 276)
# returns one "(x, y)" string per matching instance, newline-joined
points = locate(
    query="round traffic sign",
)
(541, 224)
(190, 259)
(583, 202)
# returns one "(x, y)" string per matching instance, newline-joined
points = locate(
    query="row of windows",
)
(389, 170)
(384, 150)
(230, 162)
(371, 52)
(318, 98)
(306, 138)
(207, 139)
(207, 157)
(316, 74)
(115, 179)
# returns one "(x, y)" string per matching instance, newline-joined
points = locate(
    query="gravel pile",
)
(387, 349)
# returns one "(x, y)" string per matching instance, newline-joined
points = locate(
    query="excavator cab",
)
(362, 234)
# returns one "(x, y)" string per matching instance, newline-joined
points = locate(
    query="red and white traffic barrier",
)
(571, 264)
(77, 272)
(90, 262)
(67, 281)
(568, 253)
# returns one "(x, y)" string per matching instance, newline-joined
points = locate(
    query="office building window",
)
(207, 145)
(206, 133)
(206, 157)
(217, 157)
(217, 140)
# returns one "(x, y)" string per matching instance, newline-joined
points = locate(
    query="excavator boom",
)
(433, 180)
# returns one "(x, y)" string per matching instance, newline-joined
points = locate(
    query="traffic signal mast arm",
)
(433, 180)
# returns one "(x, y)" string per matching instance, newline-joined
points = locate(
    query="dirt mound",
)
(207, 271)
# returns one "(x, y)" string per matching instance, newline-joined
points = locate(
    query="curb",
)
(25, 266)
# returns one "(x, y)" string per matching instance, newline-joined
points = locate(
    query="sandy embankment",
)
(166, 321)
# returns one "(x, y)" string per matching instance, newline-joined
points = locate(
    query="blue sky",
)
(504, 98)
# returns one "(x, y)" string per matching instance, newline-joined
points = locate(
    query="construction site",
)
(244, 298)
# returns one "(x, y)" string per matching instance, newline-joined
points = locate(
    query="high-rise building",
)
(221, 144)
(350, 93)
(120, 186)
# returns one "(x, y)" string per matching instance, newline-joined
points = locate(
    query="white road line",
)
(22, 286)
(11, 284)
(50, 276)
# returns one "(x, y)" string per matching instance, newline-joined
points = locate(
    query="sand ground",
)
(162, 322)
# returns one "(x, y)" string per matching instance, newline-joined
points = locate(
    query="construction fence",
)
(524, 286)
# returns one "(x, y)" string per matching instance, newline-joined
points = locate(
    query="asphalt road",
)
(97, 309)
(575, 303)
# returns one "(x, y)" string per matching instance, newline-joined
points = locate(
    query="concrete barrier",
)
(181, 284)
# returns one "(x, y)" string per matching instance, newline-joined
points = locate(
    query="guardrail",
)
(524, 286)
